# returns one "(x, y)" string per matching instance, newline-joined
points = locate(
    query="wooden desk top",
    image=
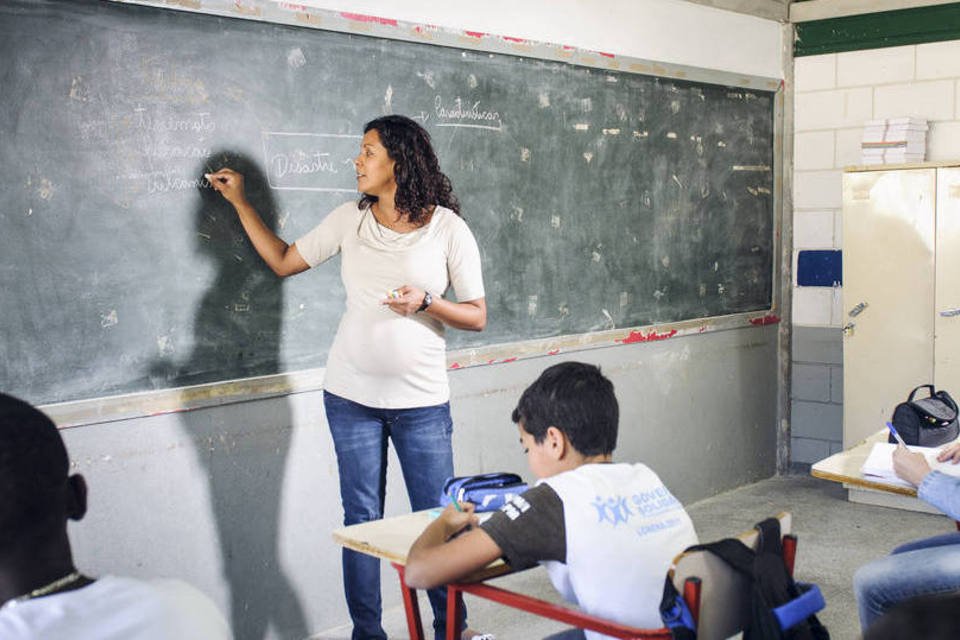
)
(845, 467)
(390, 539)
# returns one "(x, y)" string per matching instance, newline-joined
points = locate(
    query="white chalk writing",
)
(301, 163)
(466, 115)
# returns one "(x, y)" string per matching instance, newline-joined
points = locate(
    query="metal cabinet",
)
(901, 289)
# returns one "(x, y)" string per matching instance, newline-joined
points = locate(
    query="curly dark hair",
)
(420, 183)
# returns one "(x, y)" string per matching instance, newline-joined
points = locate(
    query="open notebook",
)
(879, 464)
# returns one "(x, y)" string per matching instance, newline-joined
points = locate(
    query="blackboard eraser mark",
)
(296, 58)
(748, 167)
(671, 135)
(238, 7)
(360, 17)
(651, 336)
(309, 18)
(765, 320)
(77, 90)
(109, 319)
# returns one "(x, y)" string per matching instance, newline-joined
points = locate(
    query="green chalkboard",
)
(600, 199)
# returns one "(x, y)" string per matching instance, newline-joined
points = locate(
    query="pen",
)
(455, 503)
(895, 434)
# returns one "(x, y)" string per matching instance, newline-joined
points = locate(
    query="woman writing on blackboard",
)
(402, 245)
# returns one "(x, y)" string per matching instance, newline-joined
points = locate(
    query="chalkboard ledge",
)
(79, 413)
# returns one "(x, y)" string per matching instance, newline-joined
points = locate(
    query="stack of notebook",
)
(894, 141)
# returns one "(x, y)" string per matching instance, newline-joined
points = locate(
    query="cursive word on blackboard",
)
(466, 115)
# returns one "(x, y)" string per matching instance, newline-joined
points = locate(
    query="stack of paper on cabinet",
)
(879, 464)
(894, 141)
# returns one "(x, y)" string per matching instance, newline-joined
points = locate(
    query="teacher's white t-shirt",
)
(379, 358)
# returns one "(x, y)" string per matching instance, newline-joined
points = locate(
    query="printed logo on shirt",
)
(515, 507)
(646, 504)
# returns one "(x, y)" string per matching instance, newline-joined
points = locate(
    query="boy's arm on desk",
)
(436, 559)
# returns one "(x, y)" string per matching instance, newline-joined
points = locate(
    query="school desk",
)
(845, 467)
(390, 539)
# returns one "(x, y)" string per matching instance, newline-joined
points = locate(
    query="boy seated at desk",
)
(607, 532)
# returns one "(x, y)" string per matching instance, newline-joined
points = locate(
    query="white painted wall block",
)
(848, 147)
(812, 306)
(938, 60)
(813, 150)
(812, 73)
(818, 190)
(943, 141)
(813, 230)
(933, 100)
(832, 109)
(876, 66)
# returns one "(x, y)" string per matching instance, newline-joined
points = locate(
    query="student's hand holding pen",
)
(457, 519)
(910, 465)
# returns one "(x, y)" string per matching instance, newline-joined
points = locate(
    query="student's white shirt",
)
(379, 358)
(116, 608)
(623, 529)
(606, 533)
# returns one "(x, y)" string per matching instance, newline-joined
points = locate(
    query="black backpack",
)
(775, 607)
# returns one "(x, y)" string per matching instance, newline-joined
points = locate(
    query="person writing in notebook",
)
(402, 245)
(921, 567)
(607, 532)
(42, 594)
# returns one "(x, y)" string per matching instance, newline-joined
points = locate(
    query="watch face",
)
(427, 301)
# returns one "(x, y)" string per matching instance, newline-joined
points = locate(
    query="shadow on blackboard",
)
(237, 329)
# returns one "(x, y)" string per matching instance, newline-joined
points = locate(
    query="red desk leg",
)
(411, 606)
(454, 612)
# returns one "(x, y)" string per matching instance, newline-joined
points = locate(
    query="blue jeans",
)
(422, 438)
(923, 567)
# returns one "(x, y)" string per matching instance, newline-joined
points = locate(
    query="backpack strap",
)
(800, 608)
(732, 551)
(769, 537)
(676, 614)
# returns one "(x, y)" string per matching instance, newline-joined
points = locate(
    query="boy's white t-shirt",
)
(607, 534)
(379, 358)
(116, 608)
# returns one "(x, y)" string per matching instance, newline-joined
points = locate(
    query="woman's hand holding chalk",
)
(229, 184)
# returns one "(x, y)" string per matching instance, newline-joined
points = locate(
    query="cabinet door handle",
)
(858, 309)
(949, 313)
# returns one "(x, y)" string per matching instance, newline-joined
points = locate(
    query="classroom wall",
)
(834, 94)
(240, 499)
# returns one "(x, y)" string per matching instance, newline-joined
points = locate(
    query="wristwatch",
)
(427, 301)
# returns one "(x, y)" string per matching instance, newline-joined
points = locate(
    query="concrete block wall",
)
(834, 94)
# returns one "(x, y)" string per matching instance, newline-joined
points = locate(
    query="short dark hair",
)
(420, 183)
(578, 400)
(33, 472)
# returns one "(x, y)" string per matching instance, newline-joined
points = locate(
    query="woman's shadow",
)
(236, 334)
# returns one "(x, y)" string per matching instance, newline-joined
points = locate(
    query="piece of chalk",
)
(393, 294)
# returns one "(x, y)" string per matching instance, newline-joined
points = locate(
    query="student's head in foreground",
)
(567, 417)
(931, 617)
(37, 494)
